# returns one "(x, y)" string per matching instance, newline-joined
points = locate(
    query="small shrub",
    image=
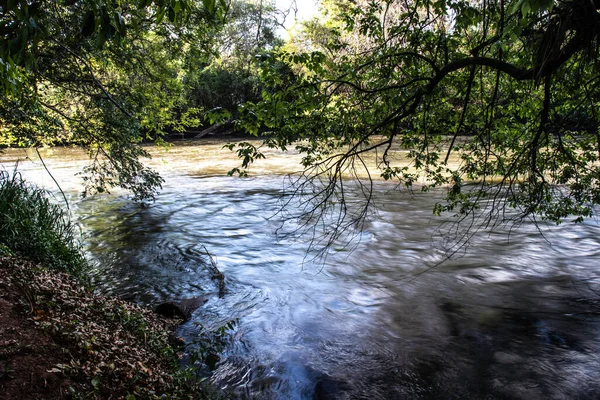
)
(37, 229)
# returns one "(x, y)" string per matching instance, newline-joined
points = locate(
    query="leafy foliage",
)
(104, 75)
(497, 101)
(231, 78)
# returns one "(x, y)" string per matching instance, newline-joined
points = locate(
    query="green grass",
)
(35, 228)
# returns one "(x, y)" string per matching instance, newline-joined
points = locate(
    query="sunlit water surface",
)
(514, 317)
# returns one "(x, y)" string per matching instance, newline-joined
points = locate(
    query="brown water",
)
(514, 317)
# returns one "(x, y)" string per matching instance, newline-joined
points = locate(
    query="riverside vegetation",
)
(58, 338)
(495, 101)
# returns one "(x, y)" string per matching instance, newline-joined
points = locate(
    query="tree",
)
(497, 101)
(231, 78)
(100, 74)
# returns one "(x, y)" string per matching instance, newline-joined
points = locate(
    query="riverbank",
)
(60, 340)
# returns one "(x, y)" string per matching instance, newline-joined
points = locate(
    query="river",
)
(514, 316)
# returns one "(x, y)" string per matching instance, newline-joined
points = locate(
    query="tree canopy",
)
(495, 100)
(103, 75)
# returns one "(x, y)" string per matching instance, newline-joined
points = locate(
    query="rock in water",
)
(170, 310)
(182, 309)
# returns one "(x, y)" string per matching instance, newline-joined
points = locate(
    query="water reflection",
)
(513, 318)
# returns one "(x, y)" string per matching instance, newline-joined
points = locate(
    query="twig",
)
(51, 176)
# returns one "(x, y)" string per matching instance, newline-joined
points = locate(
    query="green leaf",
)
(209, 5)
(96, 382)
(160, 15)
(525, 7)
(516, 6)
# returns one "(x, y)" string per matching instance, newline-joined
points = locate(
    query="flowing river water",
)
(514, 316)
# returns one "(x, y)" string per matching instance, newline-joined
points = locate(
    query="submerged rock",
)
(327, 388)
(182, 309)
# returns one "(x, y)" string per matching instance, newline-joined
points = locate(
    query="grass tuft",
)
(36, 228)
